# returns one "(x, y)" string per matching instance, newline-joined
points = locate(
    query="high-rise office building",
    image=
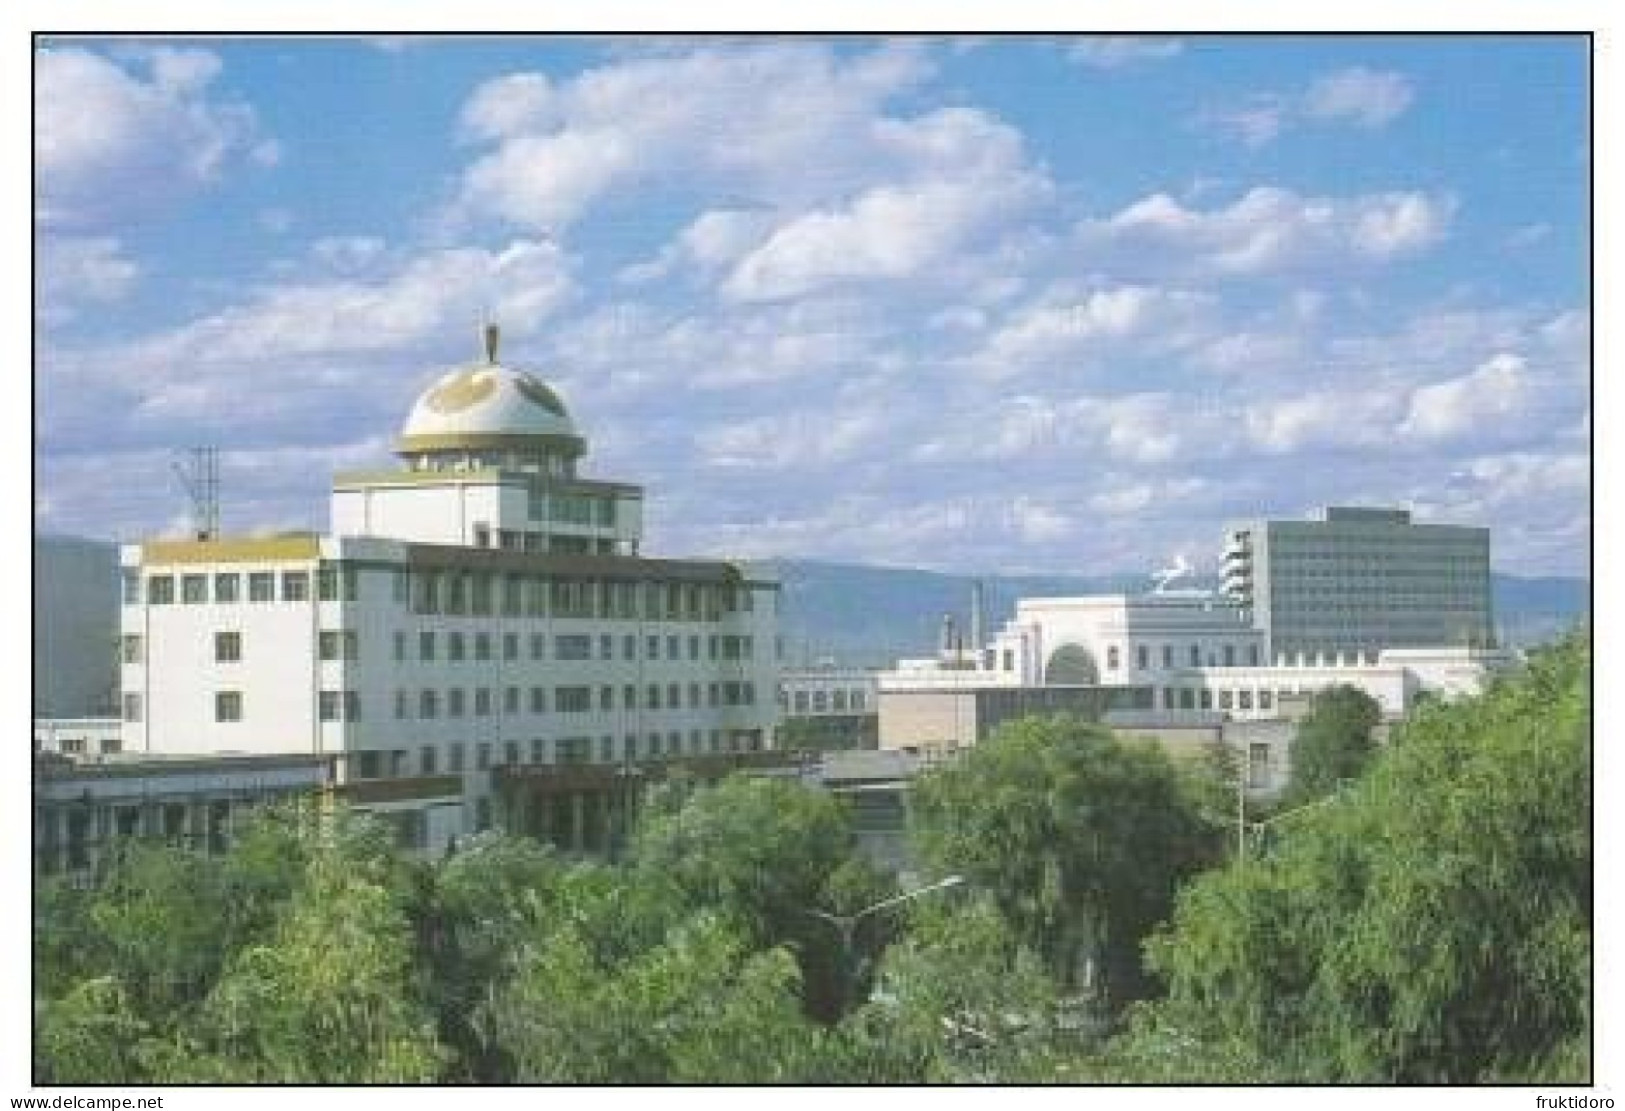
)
(1361, 580)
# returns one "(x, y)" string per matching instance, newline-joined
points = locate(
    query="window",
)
(801, 702)
(295, 586)
(329, 645)
(132, 587)
(327, 583)
(428, 704)
(131, 651)
(1009, 659)
(371, 765)
(674, 696)
(629, 697)
(538, 700)
(454, 702)
(1258, 765)
(132, 706)
(1112, 658)
(228, 706)
(1196, 655)
(400, 647)
(454, 646)
(454, 757)
(401, 705)
(1230, 655)
(426, 645)
(1225, 700)
(606, 698)
(1252, 655)
(510, 700)
(1244, 700)
(1265, 698)
(261, 586)
(228, 647)
(160, 590)
(572, 700)
(1142, 657)
(576, 647)
(653, 701)
(510, 646)
(427, 759)
(329, 706)
(538, 751)
(510, 752)
(482, 646)
(194, 589)
(1167, 655)
(693, 647)
(654, 648)
(483, 757)
(352, 706)
(482, 702)
(629, 647)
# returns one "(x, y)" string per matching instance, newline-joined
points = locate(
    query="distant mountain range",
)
(863, 615)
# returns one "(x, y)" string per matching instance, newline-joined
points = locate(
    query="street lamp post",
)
(846, 925)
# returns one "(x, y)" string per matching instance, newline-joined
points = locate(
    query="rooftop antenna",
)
(199, 474)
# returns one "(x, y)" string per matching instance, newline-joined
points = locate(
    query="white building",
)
(483, 605)
(1169, 655)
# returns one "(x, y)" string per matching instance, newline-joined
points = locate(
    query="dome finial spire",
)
(493, 336)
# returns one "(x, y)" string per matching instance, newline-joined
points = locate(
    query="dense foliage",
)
(1334, 743)
(1080, 838)
(1428, 923)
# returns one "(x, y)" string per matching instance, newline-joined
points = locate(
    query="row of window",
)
(574, 646)
(455, 702)
(1142, 656)
(452, 758)
(485, 593)
(823, 701)
(333, 584)
(345, 705)
(345, 645)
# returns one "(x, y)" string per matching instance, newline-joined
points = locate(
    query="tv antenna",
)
(199, 473)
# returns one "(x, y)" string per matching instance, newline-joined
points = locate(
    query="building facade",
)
(83, 809)
(481, 606)
(830, 707)
(1361, 580)
(76, 617)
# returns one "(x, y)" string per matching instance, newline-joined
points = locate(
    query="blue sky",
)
(1043, 304)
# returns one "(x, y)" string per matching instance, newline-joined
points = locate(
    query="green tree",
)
(957, 998)
(767, 854)
(1080, 838)
(1429, 925)
(700, 1006)
(1334, 743)
(332, 997)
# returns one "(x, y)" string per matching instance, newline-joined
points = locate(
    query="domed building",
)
(477, 641)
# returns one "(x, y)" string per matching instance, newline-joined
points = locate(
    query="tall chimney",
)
(978, 628)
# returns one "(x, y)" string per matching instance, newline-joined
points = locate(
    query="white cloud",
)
(73, 271)
(1084, 328)
(1360, 96)
(1494, 393)
(789, 120)
(1117, 51)
(1037, 523)
(1331, 418)
(158, 138)
(1270, 228)
(1356, 96)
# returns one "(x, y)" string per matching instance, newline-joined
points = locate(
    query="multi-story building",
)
(76, 617)
(481, 606)
(829, 707)
(1360, 581)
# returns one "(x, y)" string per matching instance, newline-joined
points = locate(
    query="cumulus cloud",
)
(789, 120)
(75, 271)
(1363, 97)
(1356, 96)
(113, 143)
(1086, 327)
(1271, 228)
(1493, 393)
(1118, 51)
